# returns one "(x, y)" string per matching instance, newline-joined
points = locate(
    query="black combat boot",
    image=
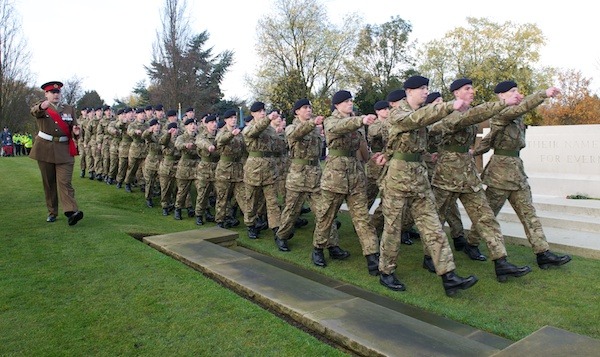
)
(119, 184)
(304, 210)
(92, 175)
(373, 263)
(127, 187)
(459, 243)
(191, 212)
(231, 222)
(473, 252)
(220, 225)
(177, 214)
(149, 203)
(281, 244)
(318, 257)
(300, 222)
(391, 282)
(165, 211)
(252, 232)
(547, 259)
(261, 224)
(199, 221)
(413, 234)
(209, 216)
(82, 175)
(428, 264)
(405, 238)
(338, 253)
(504, 269)
(452, 282)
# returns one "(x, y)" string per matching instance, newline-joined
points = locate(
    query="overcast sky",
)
(108, 42)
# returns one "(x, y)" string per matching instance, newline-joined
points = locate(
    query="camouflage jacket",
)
(343, 172)
(232, 150)
(186, 167)
(126, 140)
(377, 136)
(208, 160)
(455, 169)
(408, 135)
(508, 133)
(304, 140)
(170, 155)
(154, 154)
(260, 138)
(139, 148)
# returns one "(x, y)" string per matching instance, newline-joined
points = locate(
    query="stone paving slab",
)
(551, 341)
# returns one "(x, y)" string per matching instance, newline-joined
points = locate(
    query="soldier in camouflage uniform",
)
(168, 164)
(344, 179)
(205, 173)
(455, 176)
(304, 175)
(106, 141)
(260, 173)
(114, 146)
(81, 141)
(90, 142)
(230, 169)
(124, 145)
(505, 175)
(186, 167)
(138, 149)
(153, 157)
(457, 231)
(98, 138)
(406, 187)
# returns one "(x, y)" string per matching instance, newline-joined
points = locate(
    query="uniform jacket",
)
(52, 151)
(234, 148)
(260, 136)
(304, 141)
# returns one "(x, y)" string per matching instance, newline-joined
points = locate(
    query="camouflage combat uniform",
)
(151, 162)
(229, 173)
(205, 173)
(186, 170)
(137, 151)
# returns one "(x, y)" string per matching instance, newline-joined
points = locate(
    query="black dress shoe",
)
(149, 203)
(473, 253)
(547, 259)
(428, 264)
(405, 238)
(504, 269)
(51, 218)
(373, 263)
(281, 244)
(318, 257)
(165, 211)
(452, 282)
(459, 243)
(391, 282)
(75, 217)
(177, 214)
(338, 253)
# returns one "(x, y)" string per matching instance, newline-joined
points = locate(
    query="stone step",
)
(555, 219)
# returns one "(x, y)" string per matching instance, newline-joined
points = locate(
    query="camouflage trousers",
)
(98, 160)
(454, 221)
(122, 171)
(114, 166)
(182, 199)
(167, 191)
(89, 156)
(423, 209)
(151, 179)
(377, 216)
(132, 171)
(225, 192)
(82, 157)
(522, 203)
(204, 188)
(253, 197)
(481, 215)
(327, 208)
(291, 212)
(105, 159)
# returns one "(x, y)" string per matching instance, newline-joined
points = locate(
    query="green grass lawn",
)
(92, 289)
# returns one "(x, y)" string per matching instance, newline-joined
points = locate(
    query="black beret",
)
(340, 96)
(105, 107)
(415, 82)
(148, 107)
(432, 96)
(171, 113)
(98, 108)
(189, 121)
(139, 110)
(190, 109)
(248, 118)
(300, 103)
(229, 113)
(504, 87)
(171, 125)
(158, 107)
(382, 104)
(128, 110)
(51, 85)
(257, 106)
(153, 122)
(210, 118)
(396, 95)
(120, 111)
(220, 124)
(459, 83)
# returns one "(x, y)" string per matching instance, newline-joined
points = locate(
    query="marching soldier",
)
(153, 157)
(205, 174)
(138, 149)
(168, 164)
(124, 145)
(186, 167)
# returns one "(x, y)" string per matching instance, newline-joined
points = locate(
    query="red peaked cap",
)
(52, 85)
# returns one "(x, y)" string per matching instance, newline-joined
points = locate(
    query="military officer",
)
(54, 149)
